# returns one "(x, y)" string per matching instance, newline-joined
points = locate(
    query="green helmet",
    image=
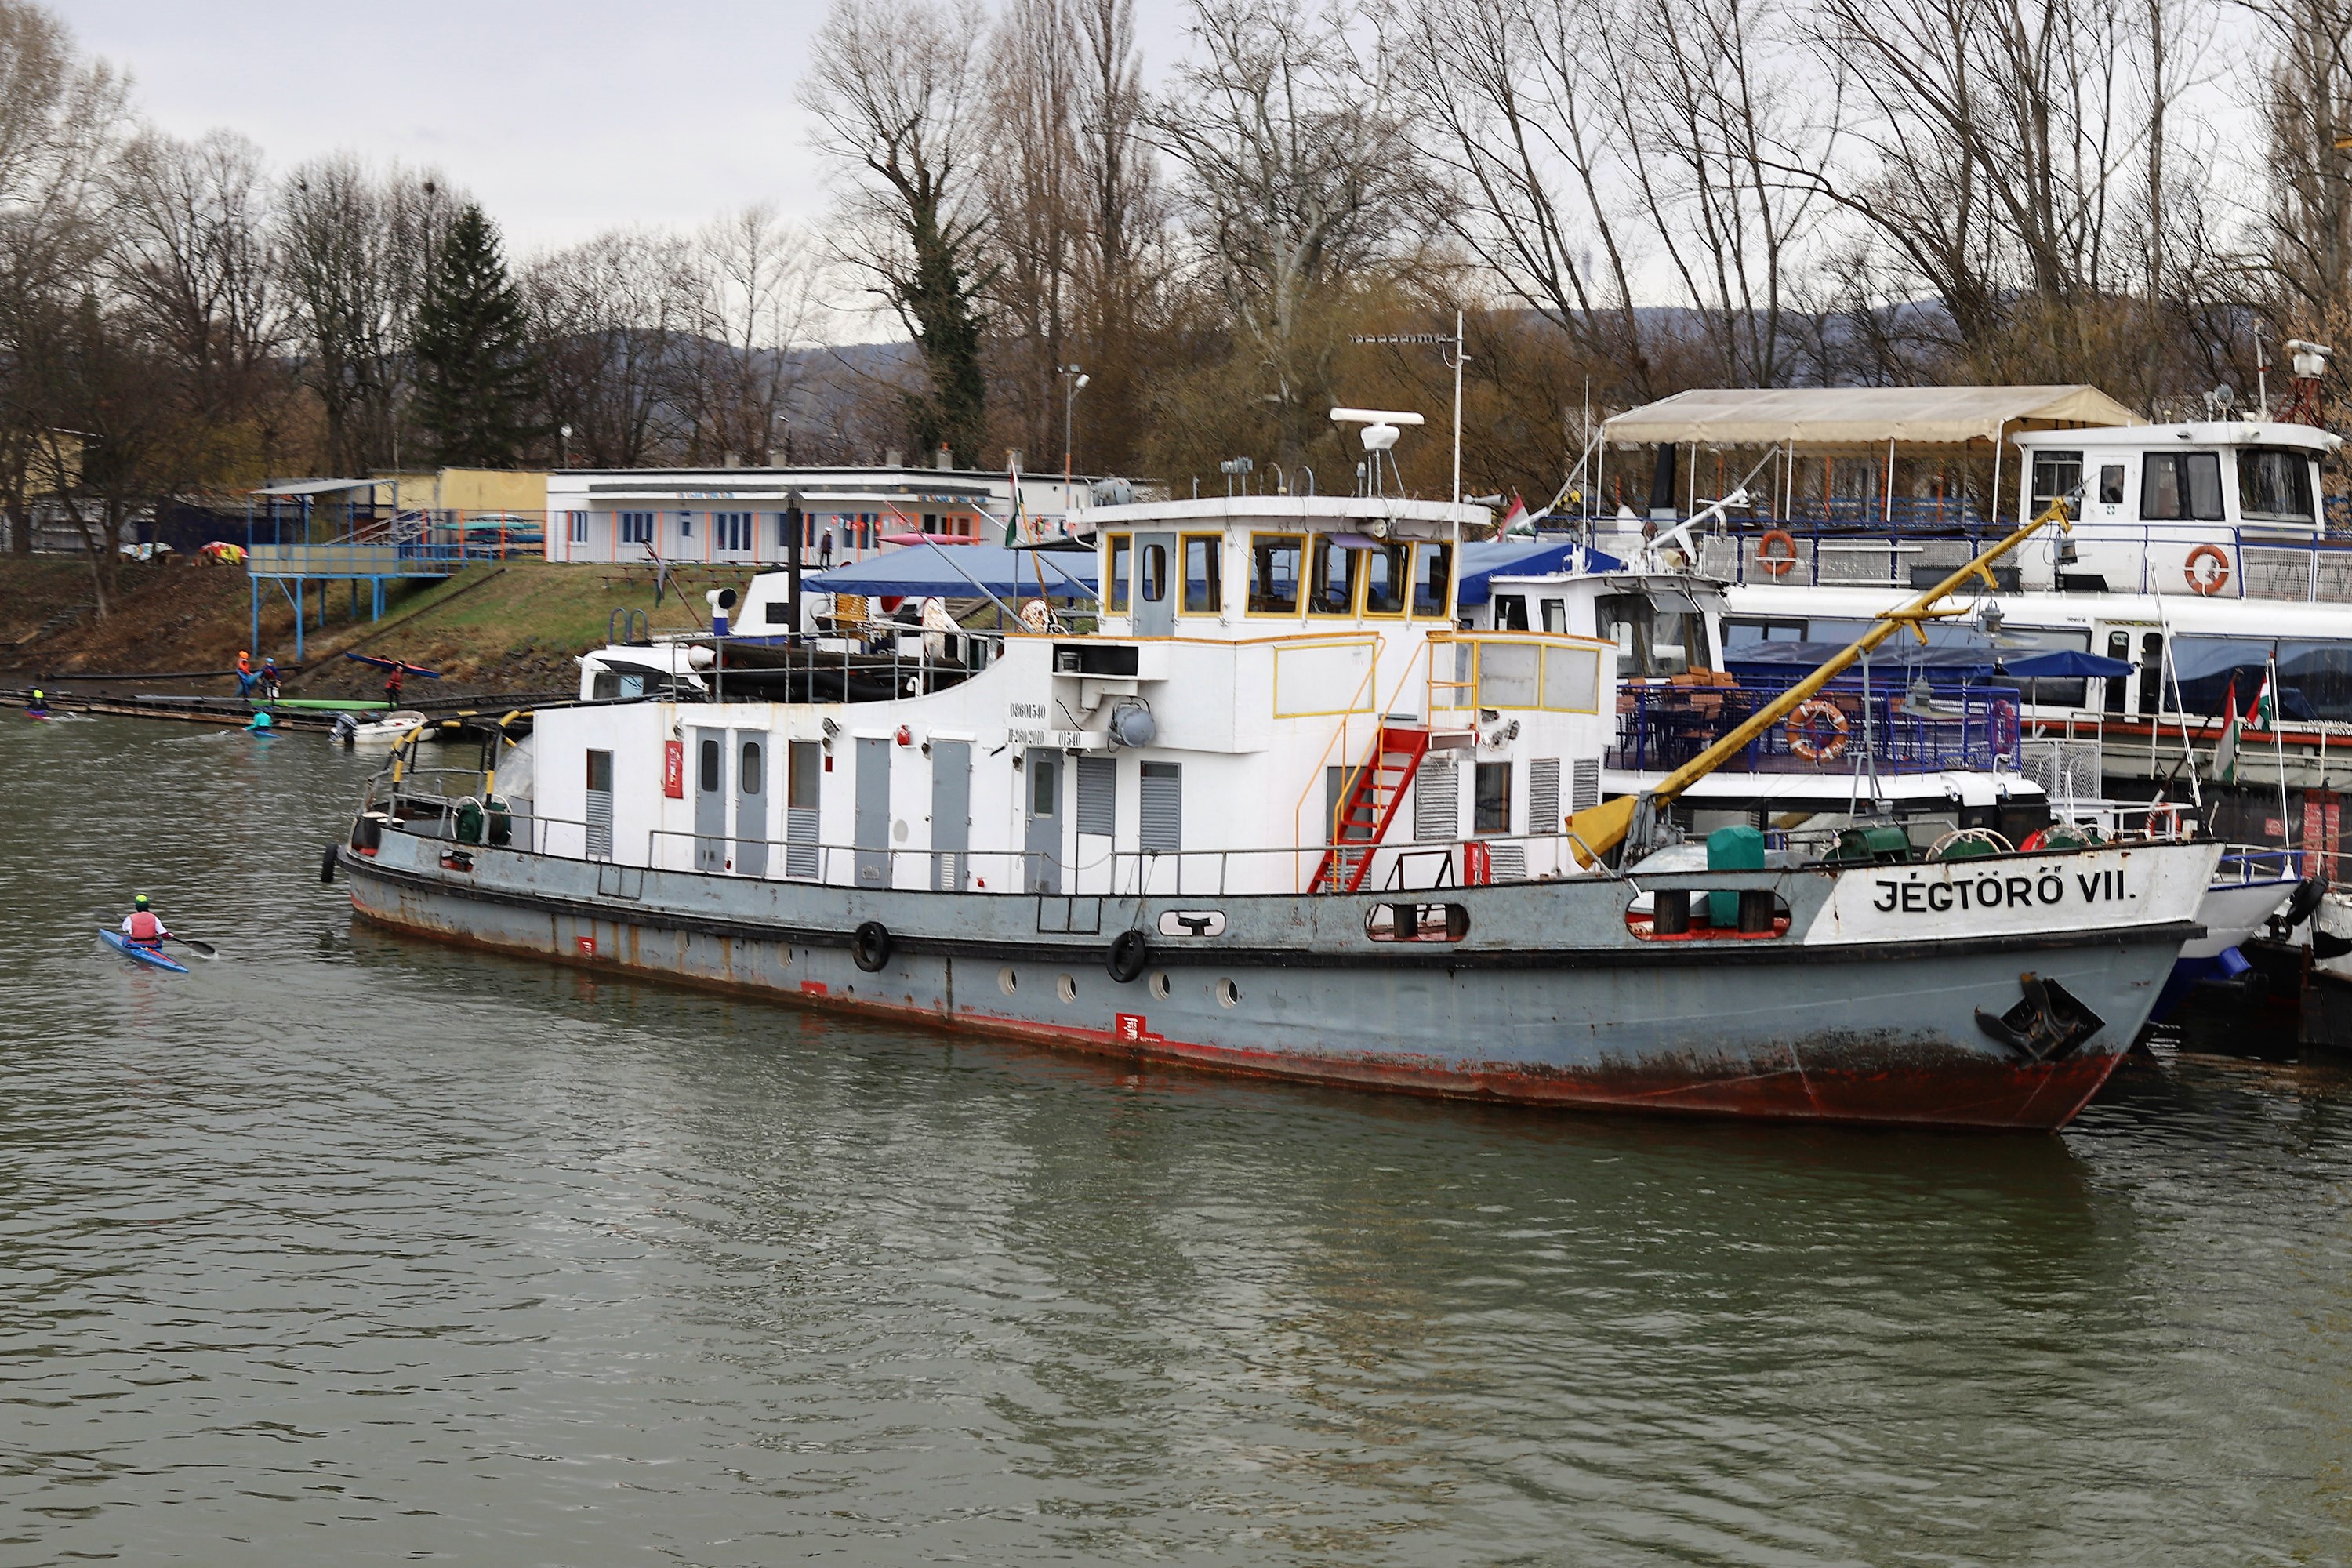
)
(140, 902)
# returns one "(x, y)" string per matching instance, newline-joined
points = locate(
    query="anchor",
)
(2046, 1025)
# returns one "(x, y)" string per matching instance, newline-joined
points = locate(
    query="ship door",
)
(1042, 770)
(711, 800)
(950, 814)
(872, 839)
(750, 803)
(1153, 607)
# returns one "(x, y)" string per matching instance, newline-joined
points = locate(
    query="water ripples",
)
(356, 1242)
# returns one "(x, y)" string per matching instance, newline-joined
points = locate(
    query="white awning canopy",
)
(1855, 416)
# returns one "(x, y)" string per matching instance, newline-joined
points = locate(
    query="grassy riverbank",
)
(511, 626)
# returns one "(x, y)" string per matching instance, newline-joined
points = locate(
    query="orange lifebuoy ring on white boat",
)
(1817, 731)
(2164, 822)
(1776, 562)
(2219, 578)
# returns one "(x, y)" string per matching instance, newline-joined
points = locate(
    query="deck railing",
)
(1659, 728)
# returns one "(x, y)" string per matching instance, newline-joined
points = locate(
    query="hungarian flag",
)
(2225, 755)
(1016, 523)
(2263, 714)
(1518, 521)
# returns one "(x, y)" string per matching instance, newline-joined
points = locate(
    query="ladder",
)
(1372, 792)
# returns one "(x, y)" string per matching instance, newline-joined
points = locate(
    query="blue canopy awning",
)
(962, 572)
(2067, 663)
(1491, 558)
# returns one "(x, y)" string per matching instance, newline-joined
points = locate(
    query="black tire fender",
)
(1130, 951)
(2305, 901)
(870, 948)
(327, 863)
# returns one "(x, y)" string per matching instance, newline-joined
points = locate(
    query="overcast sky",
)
(561, 119)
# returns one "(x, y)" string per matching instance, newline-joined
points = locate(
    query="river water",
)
(350, 1248)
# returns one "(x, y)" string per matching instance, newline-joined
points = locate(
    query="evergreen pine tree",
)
(475, 375)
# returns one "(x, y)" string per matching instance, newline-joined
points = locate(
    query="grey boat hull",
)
(1290, 988)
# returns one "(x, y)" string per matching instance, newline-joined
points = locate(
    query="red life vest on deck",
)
(146, 930)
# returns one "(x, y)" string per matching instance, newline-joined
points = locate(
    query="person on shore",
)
(144, 926)
(270, 679)
(38, 708)
(245, 676)
(392, 687)
(825, 548)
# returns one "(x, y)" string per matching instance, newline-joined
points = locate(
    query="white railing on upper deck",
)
(2319, 572)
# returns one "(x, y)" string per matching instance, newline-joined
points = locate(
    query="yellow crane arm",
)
(1597, 831)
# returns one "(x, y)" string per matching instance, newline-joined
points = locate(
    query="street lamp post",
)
(1072, 379)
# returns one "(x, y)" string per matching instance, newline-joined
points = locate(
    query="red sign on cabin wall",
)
(674, 769)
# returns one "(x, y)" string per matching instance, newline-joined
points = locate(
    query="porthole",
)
(1159, 986)
(1228, 993)
(1007, 982)
(1067, 987)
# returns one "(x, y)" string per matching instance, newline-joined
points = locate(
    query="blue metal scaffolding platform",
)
(290, 565)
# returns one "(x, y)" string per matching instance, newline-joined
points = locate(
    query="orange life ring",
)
(2208, 586)
(1817, 731)
(1776, 564)
(2169, 815)
(2032, 841)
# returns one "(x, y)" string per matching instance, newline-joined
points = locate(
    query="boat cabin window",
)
(803, 764)
(1152, 574)
(1432, 580)
(600, 772)
(1204, 574)
(2055, 474)
(2118, 647)
(1652, 641)
(707, 756)
(1510, 612)
(780, 612)
(1493, 812)
(2181, 486)
(1384, 579)
(1333, 584)
(1273, 573)
(1747, 630)
(1555, 617)
(1122, 555)
(2151, 674)
(2111, 484)
(2274, 485)
(750, 774)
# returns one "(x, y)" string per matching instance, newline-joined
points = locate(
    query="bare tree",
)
(60, 119)
(1297, 169)
(607, 319)
(754, 280)
(192, 267)
(1033, 181)
(355, 251)
(899, 95)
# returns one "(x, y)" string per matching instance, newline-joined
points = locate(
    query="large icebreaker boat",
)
(1272, 810)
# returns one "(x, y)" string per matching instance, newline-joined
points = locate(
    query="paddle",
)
(205, 948)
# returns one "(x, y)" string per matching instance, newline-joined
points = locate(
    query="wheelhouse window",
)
(1204, 568)
(1653, 639)
(1387, 572)
(2111, 484)
(1152, 574)
(1433, 581)
(1334, 582)
(2055, 474)
(2274, 485)
(1122, 556)
(1510, 612)
(1273, 573)
(2181, 486)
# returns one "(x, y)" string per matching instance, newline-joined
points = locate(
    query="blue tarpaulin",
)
(962, 572)
(1492, 558)
(2066, 664)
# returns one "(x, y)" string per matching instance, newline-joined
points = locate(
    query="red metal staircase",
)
(1374, 791)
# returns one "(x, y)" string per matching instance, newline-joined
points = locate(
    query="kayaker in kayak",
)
(38, 708)
(261, 724)
(144, 926)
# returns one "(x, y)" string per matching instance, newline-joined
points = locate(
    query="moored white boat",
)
(1276, 812)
